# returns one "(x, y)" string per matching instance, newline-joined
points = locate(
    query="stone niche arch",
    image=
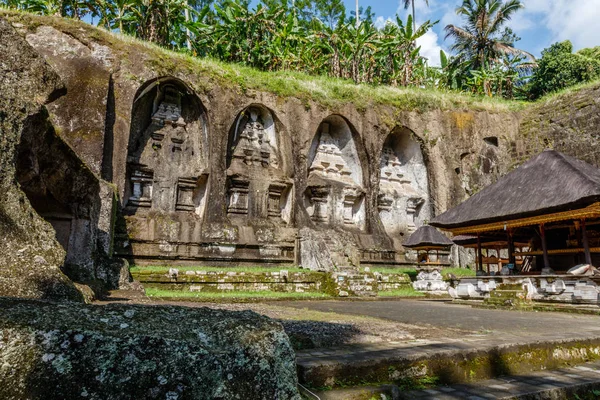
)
(258, 169)
(403, 200)
(167, 161)
(335, 194)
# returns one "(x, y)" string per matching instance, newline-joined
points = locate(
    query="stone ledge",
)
(448, 363)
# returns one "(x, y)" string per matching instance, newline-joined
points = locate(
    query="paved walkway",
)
(443, 314)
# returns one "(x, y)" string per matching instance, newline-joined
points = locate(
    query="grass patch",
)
(411, 272)
(152, 292)
(459, 272)
(404, 292)
(165, 269)
(326, 91)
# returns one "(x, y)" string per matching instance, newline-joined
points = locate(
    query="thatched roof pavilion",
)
(550, 192)
(427, 238)
(547, 184)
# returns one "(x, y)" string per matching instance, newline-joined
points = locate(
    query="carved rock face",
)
(167, 167)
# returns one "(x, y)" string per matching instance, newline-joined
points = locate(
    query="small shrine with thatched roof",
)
(425, 240)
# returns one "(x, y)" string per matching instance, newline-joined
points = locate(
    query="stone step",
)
(450, 362)
(569, 383)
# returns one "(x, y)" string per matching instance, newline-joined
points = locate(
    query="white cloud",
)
(576, 20)
(430, 48)
(381, 21)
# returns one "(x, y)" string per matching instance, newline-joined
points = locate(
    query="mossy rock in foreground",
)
(67, 351)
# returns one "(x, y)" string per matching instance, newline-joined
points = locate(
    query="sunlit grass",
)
(408, 291)
(566, 91)
(412, 272)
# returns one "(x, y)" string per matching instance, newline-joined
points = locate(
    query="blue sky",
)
(539, 24)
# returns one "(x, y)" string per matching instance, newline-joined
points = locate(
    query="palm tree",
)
(408, 3)
(480, 40)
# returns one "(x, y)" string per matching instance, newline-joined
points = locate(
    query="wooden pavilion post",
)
(586, 243)
(511, 248)
(544, 246)
(479, 255)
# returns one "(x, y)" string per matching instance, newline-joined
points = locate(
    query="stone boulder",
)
(30, 257)
(69, 351)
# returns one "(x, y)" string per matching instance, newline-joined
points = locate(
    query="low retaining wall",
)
(336, 284)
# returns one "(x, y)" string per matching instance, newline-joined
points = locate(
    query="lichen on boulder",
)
(68, 351)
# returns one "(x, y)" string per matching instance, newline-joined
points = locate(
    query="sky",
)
(539, 24)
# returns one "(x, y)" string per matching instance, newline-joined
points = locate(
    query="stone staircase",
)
(508, 294)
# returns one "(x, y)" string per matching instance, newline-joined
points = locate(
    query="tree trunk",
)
(413, 14)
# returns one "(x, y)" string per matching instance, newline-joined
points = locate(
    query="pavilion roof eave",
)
(428, 247)
(589, 212)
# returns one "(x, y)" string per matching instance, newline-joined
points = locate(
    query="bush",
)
(560, 68)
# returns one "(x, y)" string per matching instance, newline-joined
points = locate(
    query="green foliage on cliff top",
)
(560, 68)
(559, 94)
(203, 74)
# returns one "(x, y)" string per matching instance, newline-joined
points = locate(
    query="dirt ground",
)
(308, 328)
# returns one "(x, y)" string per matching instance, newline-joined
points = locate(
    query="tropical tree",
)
(481, 40)
(408, 3)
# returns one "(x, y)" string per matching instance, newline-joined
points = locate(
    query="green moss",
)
(412, 272)
(408, 291)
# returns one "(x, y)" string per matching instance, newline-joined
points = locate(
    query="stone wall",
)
(343, 284)
(568, 123)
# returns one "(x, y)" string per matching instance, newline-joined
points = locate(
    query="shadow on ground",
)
(306, 334)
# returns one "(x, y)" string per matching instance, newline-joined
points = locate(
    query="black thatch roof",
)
(549, 182)
(427, 236)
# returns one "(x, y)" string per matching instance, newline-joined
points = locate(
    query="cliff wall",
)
(201, 162)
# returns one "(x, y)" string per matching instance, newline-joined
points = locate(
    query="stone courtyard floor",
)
(334, 339)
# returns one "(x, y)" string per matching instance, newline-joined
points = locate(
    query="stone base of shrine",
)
(512, 290)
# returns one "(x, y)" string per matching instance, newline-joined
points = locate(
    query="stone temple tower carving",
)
(335, 196)
(403, 189)
(258, 186)
(167, 165)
